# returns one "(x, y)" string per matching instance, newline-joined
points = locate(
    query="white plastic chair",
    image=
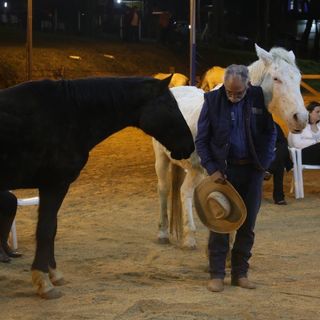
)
(21, 202)
(298, 167)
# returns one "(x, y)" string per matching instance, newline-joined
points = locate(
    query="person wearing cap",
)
(235, 141)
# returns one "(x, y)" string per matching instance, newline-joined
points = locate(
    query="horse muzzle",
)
(298, 122)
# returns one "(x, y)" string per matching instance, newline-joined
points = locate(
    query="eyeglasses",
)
(236, 95)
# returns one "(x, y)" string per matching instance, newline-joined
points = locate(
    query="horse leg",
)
(162, 170)
(56, 276)
(192, 179)
(50, 201)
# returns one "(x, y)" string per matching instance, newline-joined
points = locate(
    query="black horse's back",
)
(47, 128)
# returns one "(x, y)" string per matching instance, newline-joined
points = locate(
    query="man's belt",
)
(240, 162)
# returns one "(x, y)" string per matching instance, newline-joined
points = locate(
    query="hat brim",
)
(238, 212)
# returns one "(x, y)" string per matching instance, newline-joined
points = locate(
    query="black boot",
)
(3, 256)
(8, 208)
(11, 253)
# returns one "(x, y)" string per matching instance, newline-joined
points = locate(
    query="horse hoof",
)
(188, 247)
(163, 241)
(51, 294)
(56, 277)
(59, 282)
(190, 244)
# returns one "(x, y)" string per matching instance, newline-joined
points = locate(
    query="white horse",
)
(279, 77)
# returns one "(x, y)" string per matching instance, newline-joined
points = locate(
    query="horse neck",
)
(102, 111)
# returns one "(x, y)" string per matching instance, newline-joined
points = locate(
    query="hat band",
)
(219, 204)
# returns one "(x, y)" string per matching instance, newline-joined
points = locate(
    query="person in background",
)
(309, 139)
(134, 24)
(8, 209)
(126, 20)
(235, 141)
(281, 161)
(165, 26)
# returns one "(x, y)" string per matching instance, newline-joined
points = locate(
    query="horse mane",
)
(117, 89)
(282, 54)
(257, 68)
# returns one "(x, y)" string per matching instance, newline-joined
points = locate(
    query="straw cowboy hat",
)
(219, 206)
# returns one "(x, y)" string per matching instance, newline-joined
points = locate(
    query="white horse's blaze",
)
(279, 78)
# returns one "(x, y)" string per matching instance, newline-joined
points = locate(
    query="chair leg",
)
(296, 182)
(13, 236)
(301, 184)
(300, 176)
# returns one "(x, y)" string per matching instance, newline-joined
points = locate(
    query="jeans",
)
(248, 182)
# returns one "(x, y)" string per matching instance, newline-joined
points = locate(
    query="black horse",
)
(47, 129)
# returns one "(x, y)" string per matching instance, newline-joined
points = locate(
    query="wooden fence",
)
(308, 87)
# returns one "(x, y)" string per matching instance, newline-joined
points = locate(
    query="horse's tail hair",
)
(176, 220)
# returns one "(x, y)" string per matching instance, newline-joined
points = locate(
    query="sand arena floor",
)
(106, 246)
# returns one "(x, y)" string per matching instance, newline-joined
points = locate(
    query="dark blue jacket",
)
(214, 125)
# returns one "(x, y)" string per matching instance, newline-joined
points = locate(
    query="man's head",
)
(236, 81)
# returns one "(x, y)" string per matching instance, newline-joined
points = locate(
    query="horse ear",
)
(166, 81)
(264, 55)
(292, 56)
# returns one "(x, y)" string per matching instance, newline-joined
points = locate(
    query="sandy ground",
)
(106, 246)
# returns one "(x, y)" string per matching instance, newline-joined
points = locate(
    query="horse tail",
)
(176, 220)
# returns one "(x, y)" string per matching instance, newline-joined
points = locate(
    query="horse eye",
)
(277, 80)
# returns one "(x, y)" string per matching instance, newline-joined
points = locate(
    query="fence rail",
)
(307, 86)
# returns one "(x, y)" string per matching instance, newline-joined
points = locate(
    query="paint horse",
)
(279, 77)
(47, 129)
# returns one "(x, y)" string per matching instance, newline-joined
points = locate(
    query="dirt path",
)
(106, 247)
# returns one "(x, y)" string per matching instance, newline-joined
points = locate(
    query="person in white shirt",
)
(309, 139)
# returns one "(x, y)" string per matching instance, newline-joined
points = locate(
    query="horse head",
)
(161, 118)
(276, 72)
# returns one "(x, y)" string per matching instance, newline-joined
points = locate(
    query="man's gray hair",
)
(237, 70)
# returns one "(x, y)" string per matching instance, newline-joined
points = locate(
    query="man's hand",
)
(218, 177)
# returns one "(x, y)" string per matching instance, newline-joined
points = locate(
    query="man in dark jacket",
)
(235, 141)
